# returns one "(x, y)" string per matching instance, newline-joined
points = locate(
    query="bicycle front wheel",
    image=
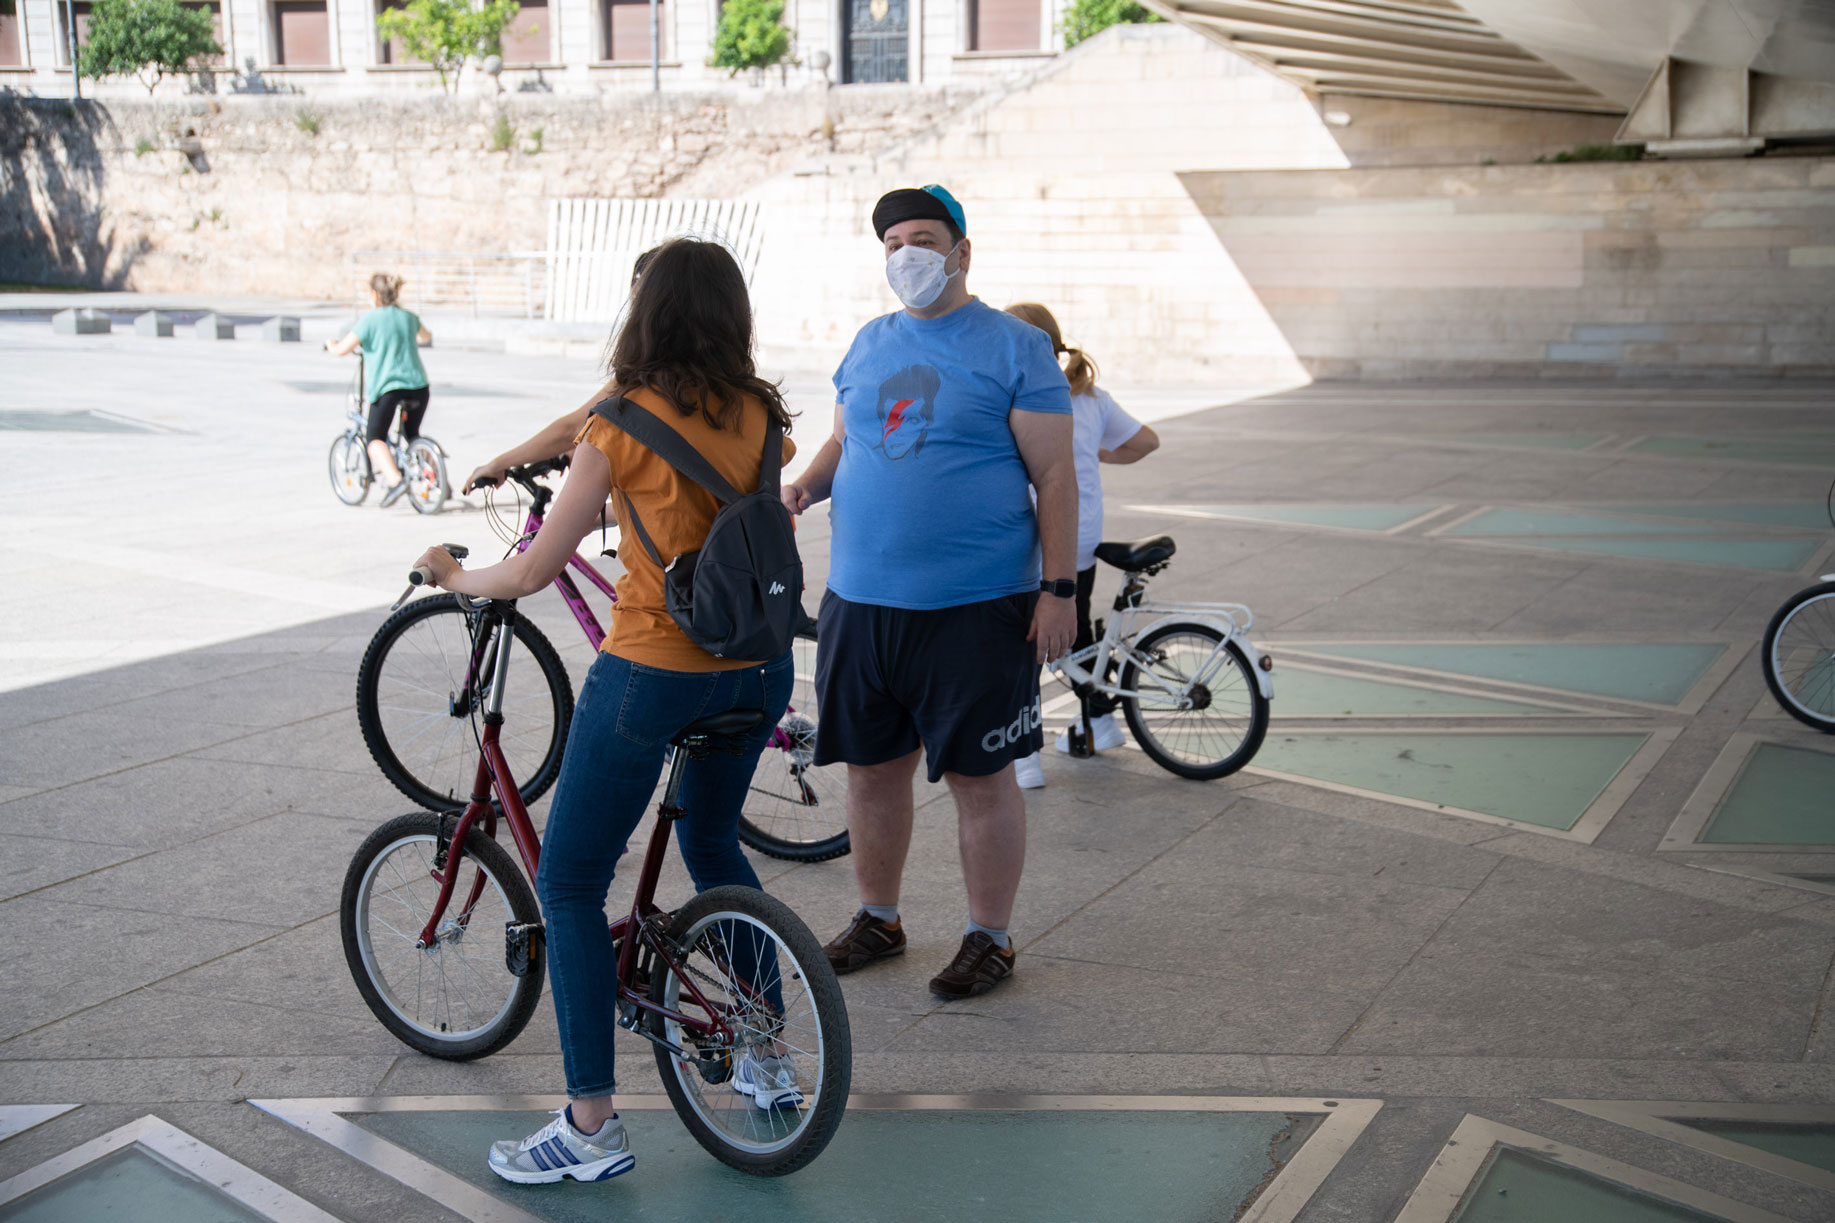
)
(1196, 710)
(1799, 656)
(755, 967)
(349, 467)
(795, 808)
(425, 472)
(423, 679)
(457, 998)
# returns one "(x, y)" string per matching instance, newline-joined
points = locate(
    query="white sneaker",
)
(558, 1150)
(1029, 772)
(770, 1081)
(1104, 730)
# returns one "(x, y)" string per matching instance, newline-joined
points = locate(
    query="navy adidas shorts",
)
(961, 682)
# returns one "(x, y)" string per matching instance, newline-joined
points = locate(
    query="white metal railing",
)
(514, 284)
(592, 244)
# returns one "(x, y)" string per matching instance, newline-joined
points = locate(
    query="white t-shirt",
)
(1100, 424)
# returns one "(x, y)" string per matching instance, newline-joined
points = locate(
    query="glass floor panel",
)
(1806, 1143)
(1352, 517)
(886, 1164)
(131, 1184)
(1777, 555)
(1563, 522)
(1303, 693)
(1520, 1188)
(1659, 673)
(1784, 796)
(1546, 780)
(1811, 515)
(1811, 449)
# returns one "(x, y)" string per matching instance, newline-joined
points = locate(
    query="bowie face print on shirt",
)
(907, 406)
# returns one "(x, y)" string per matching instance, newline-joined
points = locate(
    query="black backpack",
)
(741, 594)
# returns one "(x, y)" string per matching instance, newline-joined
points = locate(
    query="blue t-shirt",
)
(931, 501)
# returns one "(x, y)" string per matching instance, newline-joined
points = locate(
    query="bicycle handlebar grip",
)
(420, 575)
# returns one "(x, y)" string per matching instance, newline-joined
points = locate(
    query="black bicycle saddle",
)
(727, 724)
(1138, 555)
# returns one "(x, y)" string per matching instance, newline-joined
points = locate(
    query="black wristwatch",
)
(1064, 588)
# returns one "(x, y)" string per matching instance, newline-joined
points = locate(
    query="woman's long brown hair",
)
(687, 336)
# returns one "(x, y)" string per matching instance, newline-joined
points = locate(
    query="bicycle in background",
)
(1194, 690)
(1798, 651)
(422, 461)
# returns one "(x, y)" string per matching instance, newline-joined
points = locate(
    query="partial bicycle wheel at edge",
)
(457, 998)
(1799, 656)
(349, 468)
(421, 693)
(425, 473)
(1219, 726)
(796, 809)
(738, 946)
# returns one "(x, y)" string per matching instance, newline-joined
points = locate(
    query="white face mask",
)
(916, 274)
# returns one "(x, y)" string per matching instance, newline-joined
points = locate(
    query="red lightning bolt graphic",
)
(895, 417)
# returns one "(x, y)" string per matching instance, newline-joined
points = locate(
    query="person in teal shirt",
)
(397, 381)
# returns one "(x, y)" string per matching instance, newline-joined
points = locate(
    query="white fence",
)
(512, 284)
(593, 243)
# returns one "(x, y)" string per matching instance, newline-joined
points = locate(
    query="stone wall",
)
(1580, 269)
(269, 195)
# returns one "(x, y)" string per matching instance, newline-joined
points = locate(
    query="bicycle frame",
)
(494, 775)
(1092, 664)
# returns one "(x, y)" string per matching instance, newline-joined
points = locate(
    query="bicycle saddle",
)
(1139, 554)
(724, 725)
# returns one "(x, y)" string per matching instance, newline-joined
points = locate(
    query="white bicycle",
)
(1193, 687)
(1798, 651)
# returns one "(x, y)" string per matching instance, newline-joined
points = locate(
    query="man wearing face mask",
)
(936, 617)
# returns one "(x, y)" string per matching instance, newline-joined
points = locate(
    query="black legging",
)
(412, 403)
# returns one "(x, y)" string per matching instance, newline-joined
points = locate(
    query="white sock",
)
(1000, 937)
(885, 913)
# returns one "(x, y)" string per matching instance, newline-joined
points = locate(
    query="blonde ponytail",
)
(386, 286)
(1080, 369)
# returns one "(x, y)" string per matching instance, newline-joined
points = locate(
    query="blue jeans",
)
(621, 729)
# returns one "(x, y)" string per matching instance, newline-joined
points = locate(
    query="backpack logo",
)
(777, 588)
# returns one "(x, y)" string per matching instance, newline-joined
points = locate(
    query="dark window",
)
(9, 34)
(625, 28)
(390, 51)
(525, 39)
(215, 10)
(876, 35)
(63, 30)
(1003, 25)
(302, 33)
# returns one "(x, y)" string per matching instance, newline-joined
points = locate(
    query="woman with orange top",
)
(684, 354)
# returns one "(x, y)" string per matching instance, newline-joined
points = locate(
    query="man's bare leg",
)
(879, 825)
(991, 829)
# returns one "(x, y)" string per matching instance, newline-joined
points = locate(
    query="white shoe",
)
(558, 1150)
(1104, 730)
(770, 1081)
(1029, 772)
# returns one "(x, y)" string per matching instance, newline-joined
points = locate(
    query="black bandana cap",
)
(930, 203)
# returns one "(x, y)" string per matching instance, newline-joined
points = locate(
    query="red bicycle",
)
(427, 670)
(444, 937)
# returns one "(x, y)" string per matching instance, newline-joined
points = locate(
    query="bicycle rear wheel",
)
(425, 472)
(456, 999)
(1799, 656)
(349, 467)
(422, 680)
(738, 946)
(795, 808)
(1212, 730)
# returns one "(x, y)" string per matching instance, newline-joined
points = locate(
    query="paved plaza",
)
(1526, 905)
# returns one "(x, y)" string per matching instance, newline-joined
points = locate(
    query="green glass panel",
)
(1784, 796)
(1520, 1188)
(1302, 693)
(1352, 517)
(131, 1184)
(1547, 780)
(1810, 514)
(1812, 449)
(1807, 1144)
(926, 1165)
(1779, 555)
(1558, 522)
(1533, 441)
(1660, 673)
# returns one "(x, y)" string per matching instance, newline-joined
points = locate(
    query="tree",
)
(1088, 18)
(145, 39)
(442, 33)
(751, 34)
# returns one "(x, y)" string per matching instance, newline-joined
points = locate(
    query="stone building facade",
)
(566, 46)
